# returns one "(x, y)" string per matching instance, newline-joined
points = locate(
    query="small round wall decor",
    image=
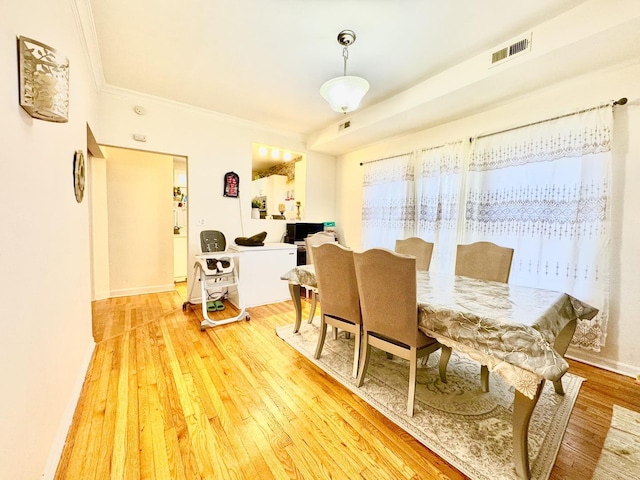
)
(78, 175)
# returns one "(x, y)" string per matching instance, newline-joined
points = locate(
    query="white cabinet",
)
(260, 269)
(179, 258)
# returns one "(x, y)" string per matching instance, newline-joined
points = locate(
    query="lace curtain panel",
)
(438, 184)
(544, 190)
(388, 201)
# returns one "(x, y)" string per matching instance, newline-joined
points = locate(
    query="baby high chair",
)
(217, 273)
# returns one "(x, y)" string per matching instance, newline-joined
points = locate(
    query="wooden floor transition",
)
(163, 400)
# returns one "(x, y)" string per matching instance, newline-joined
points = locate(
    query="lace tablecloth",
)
(304, 275)
(509, 328)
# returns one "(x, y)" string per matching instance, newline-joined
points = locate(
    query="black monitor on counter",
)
(297, 232)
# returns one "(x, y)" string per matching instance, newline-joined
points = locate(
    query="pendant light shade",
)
(344, 93)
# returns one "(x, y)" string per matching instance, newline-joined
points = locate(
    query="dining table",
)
(521, 333)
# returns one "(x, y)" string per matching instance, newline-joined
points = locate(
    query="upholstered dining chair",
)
(417, 247)
(387, 287)
(338, 289)
(483, 261)
(309, 242)
(317, 239)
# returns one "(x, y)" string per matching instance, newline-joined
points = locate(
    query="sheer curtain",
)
(544, 190)
(438, 184)
(388, 201)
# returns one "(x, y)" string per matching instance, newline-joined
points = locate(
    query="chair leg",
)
(445, 354)
(314, 303)
(364, 360)
(484, 378)
(356, 354)
(323, 333)
(413, 367)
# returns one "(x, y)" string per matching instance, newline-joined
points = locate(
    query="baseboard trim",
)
(60, 439)
(101, 295)
(606, 364)
(127, 292)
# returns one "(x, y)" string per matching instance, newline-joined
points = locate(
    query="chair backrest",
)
(317, 239)
(388, 294)
(484, 261)
(417, 247)
(212, 241)
(336, 277)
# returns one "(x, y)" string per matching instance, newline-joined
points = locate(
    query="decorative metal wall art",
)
(44, 81)
(79, 173)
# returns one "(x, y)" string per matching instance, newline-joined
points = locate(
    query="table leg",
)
(484, 378)
(561, 344)
(445, 355)
(522, 409)
(294, 290)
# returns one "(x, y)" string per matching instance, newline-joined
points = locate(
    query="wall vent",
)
(344, 125)
(514, 48)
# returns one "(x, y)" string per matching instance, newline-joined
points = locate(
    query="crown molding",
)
(87, 31)
(139, 97)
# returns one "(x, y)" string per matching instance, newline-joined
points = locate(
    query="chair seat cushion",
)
(423, 340)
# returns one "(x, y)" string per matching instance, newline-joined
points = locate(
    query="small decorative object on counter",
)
(256, 240)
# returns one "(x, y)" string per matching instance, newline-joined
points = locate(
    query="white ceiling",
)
(264, 60)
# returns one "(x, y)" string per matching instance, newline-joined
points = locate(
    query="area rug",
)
(468, 428)
(620, 457)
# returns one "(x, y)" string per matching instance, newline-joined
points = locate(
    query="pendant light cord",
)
(345, 55)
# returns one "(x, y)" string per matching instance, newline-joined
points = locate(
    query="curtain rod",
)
(385, 158)
(408, 153)
(621, 101)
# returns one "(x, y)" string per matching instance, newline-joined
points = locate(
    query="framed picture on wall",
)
(231, 185)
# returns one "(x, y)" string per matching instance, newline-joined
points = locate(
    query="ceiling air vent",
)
(512, 49)
(344, 125)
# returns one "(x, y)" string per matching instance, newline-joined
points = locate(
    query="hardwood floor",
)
(162, 399)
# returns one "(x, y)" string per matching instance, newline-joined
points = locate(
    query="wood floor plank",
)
(163, 399)
(132, 452)
(119, 449)
(145, 379)
(79, 433)
(109, 404)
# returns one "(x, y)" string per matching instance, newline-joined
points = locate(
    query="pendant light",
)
(344, 93)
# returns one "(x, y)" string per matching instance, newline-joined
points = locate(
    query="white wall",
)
(621, 352)
(140, 217)
(45, 315)
(45, 309)
(97, 198)
(320, 190)
(214, 144)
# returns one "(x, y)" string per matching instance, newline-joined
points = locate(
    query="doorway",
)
(136, 213)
